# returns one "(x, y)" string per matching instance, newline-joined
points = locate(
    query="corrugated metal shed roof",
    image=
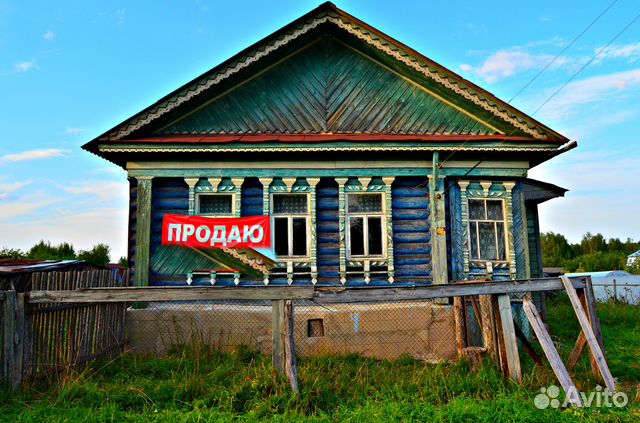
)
(30, 266)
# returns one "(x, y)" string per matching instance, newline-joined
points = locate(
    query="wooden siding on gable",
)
(328, 87)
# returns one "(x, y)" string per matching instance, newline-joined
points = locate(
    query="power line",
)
(594, 57)
(537, 75)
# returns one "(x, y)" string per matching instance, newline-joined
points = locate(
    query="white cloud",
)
(102, 191)
(49, 35)
(25, 66)
(605, 89)
(74, 131)
(8, 187)
(509, 62)
(32, 155)
(83, 229)
(22, 207)
(626, 51)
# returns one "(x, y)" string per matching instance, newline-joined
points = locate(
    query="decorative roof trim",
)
(127, 149)
(397, 53)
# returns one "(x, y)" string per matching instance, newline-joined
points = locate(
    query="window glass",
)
(502, 252)
(290, 203)
(356, 235)
(494, 210)
(474, 240)
(375, 235)
(299, 236)
(476, 209)
(281, 235)
(487, 238)
(362, 203)
(214, 204)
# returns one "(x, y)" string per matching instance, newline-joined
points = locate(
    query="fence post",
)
(277, 335)
(290, 347)
(8, 320)
(13, 327)
(19, 343)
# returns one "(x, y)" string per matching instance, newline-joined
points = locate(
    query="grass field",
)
(197, 385)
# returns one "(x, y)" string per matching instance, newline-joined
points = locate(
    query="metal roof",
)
(30, 266)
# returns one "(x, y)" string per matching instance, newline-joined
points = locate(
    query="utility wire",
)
(540, 72)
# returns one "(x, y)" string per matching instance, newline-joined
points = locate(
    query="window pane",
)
(281, 235)
(359, 203)
(290, 203)
(356, 236)
(474, 240)
(494, 210)
(476, 210)
(299, 237)
(214, 204)
(375, 235)
(487, 241)
(502, 252)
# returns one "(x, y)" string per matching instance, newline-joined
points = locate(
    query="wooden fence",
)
(51, 337)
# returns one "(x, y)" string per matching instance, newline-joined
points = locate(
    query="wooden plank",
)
(290, 347)
(16, 377)
(355, 294)
(527, 345)
(460, 324)
(592, 341)
(143, 231)
(277, 333)
(509, 333)
(592, 359)
(503, 360)
(576, 353)
(487, 326)
(550, 351)
(592, 313)
(438, 224)
(9, 322)
(132, 294)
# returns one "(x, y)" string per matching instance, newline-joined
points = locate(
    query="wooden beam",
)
(527, 345)
(182, 293)
(277, 336)
(550, 351)
(460, 324)
(19, 343)
(290, 347)
(509, 334)
(9, 328)
(590, 300)
(143, 231)
(438, 225)
(488, 328)
(576, 353)
(592, 341)
(355, 294)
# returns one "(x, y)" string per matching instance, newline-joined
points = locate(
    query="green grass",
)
(198, 385)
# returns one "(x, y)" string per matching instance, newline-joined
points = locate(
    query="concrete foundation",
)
(421, 330)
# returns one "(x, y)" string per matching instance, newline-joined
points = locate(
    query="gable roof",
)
(500, 113)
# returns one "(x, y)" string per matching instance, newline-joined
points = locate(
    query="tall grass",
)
(198, 384)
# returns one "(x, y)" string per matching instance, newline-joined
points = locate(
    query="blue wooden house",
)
(376, 165)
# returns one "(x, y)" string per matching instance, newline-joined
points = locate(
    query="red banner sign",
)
(207, 232)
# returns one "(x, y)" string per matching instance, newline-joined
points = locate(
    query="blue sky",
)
(71, 70)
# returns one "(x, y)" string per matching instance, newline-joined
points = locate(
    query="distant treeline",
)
(44, 250)
(592, 254)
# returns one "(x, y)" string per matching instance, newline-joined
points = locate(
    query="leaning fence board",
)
(550, 351)
(509, 334)
(592, 341)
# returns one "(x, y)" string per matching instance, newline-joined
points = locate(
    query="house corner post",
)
(143, 231)
(438, 224)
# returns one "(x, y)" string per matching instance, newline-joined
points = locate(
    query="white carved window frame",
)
(290, 216)
(382, 214)
(199, 195)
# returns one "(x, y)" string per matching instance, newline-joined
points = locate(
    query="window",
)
(215, 204)
(486, 230)
(290, 224)
(365, 225)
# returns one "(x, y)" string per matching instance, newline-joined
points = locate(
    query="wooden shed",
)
(376, 165)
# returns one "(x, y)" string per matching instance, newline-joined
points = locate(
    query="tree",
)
(98, 255)
(555, 249)
(593, 243)
(43, 250)
(123, 261)
(12, 254)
